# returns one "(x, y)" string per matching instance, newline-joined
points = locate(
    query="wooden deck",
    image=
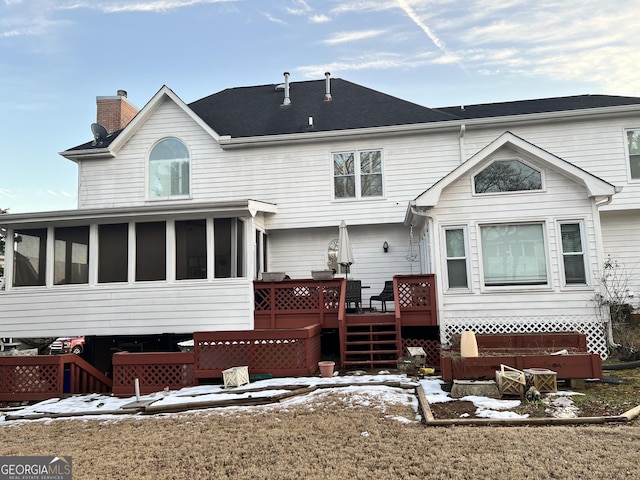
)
(290, 318)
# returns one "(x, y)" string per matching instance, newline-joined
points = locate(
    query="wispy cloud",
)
(301, 7)
(38, 17)
(346, 37)
(273, 19)
(547, 39)
(379, 61)
(319, 18)
(158, 6)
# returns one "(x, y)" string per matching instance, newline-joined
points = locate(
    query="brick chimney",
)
(115, 112)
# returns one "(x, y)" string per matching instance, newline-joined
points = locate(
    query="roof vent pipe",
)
(327, 95)
(287, 100)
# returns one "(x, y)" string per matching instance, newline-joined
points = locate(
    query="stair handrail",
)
(342, 315)
(398, 315)
(104, 383)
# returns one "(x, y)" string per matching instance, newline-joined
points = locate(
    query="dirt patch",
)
(615, 394)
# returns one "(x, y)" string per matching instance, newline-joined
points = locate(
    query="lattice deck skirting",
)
(590, 326)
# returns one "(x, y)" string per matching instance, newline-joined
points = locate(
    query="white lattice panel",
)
(592, 327)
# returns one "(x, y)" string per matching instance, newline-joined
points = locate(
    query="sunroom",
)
(133, 270)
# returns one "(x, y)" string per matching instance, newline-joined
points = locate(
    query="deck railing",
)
(297, 303)
(155, 371)
(42, 377)
(290, 352)
(415, 299)
(289, 318)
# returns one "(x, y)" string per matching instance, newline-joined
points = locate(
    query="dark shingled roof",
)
(543, 105)
(258, 111)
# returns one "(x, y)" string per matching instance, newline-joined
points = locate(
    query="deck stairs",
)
(371, 341)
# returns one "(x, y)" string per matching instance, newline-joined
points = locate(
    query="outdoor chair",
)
(386, 295)
(354, 293)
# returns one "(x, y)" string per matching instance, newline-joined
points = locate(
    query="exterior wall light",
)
(385, 247)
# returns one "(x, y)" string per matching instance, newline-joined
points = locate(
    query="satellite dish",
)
(99, 133)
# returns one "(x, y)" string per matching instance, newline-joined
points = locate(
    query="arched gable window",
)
(169, 169)
(507, 176)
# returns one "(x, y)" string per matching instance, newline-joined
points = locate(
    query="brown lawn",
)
(330, 437)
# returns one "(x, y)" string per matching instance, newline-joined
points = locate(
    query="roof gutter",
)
(76, 155)
(228, 142)
(141, 212)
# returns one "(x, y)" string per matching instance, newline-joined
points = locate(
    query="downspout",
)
(432, 256)
(463, 128)
(609, 198)
(430, 247)
(606, 201)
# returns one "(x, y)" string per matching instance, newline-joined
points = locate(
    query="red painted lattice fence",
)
(154, 371)
(287, 352)
(431, 349)
(415, 299)
(42, 377)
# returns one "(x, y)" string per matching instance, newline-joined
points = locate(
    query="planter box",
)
(235, 376)
(273, 276)
(541, 379)
(576, 365)
(322, 274)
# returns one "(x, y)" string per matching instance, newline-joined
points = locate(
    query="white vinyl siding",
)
(621, 242)
(121, 309)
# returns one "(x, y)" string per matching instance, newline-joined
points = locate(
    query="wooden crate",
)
(235, 376)
(510, 381)
(542, 379)
(417, 355)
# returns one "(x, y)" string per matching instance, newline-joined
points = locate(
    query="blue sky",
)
(56, 56)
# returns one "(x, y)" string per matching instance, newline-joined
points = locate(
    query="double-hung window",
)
(573, 255)
(357, 174)
(633, 144)
(456, 257)
(513, 254)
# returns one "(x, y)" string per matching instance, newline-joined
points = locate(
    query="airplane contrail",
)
(413, 16)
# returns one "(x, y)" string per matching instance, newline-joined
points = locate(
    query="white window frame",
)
(494, 288)
(148, 195)
(628, 154)
(358, 174)
(516, 192)
(446, 258)
(561, 253)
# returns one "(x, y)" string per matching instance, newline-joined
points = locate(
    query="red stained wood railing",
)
(155, 371)
(41, 377)
(290, 352)
(297, 303)
(415, 299)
